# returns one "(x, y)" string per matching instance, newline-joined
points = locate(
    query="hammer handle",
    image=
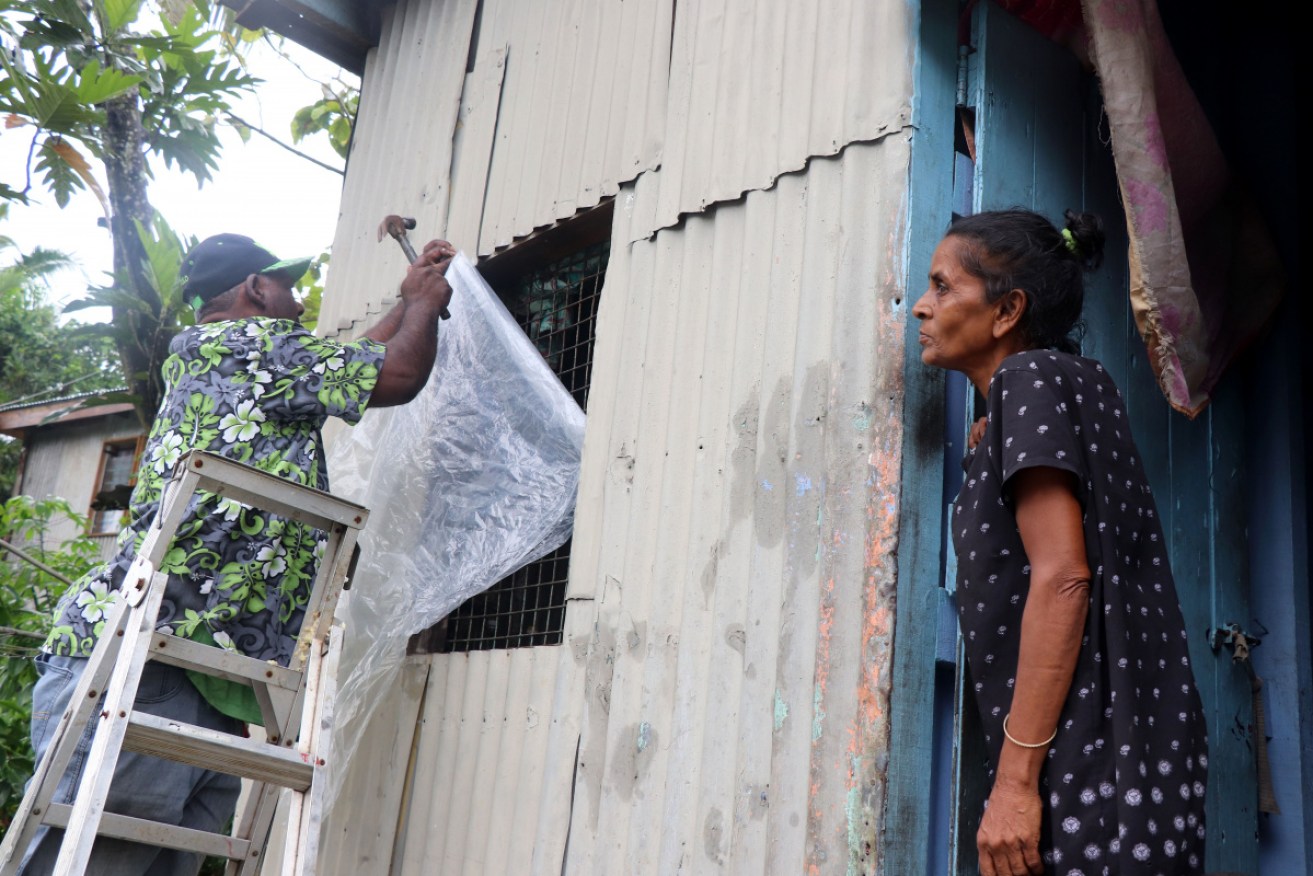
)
(409, 250)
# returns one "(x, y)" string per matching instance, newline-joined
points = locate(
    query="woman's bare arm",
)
(1052, 625)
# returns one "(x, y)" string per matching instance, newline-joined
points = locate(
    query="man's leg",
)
(143, 786)
(56, 679)
(210, 808)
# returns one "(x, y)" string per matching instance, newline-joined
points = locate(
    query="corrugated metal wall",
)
(583, 106)
(735, 532)
(401, 153)
(756, 89)
(562, 102)
(721, 699)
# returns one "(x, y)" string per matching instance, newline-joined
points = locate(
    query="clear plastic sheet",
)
(471, 480)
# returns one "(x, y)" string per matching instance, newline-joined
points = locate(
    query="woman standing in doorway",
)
(1075, 643)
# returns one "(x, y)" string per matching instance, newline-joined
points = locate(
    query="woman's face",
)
(957, 323)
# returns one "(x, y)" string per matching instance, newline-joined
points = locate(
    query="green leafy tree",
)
(111, 81)
(41, 358)
(310, 290)
(28, 595)
(159, 313)
(333, 115)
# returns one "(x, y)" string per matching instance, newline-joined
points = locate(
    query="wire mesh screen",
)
(556, 305)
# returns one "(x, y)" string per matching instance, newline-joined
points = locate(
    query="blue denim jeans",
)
(143, 786)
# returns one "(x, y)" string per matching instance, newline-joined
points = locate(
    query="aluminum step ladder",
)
(295, 701)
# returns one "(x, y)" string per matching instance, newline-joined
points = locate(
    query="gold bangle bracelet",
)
(1018, 742)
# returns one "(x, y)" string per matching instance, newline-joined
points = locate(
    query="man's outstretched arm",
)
(410, 329)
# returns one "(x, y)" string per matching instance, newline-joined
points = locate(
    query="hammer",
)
(397, 226)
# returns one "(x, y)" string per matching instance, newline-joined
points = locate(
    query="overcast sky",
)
(286, 203)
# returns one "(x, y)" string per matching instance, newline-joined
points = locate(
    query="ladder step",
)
(222, 752)
(157, 834)
(209, 660)
(260, 489)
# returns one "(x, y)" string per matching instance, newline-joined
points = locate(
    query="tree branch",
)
(31, 148)
(27, 558)
(289, 59)
(233, 117)
(22, 634)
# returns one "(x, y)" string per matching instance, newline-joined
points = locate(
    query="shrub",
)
(28, 596)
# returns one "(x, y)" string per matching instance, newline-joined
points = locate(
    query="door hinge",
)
(963, 53)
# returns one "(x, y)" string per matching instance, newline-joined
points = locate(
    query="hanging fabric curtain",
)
(1204, 274)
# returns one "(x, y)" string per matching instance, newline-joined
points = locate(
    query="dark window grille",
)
(556, 305)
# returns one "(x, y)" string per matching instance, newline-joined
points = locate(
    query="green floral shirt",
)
(257, 391)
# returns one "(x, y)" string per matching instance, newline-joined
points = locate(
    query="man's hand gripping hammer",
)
(396, 226)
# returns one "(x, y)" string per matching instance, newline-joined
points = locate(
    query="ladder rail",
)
(254, 820)
(143, 590)
(301, 850)
(40, 793)
(319, 617)
(300, 847)
(93, 790)
(175, 502)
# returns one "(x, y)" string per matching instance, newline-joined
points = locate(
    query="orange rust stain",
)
(824, 630)
(882, 508)
(877, 622)
(817, 770)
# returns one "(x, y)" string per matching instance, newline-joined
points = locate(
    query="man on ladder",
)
(250, 383)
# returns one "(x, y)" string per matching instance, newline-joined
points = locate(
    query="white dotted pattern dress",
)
(1126, 774)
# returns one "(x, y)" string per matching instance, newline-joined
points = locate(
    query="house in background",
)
(78, 454)
(710, 217)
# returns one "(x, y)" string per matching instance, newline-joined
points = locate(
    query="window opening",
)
(114, 483)
(556, 305)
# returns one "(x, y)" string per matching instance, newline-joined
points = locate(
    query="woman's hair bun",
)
(1018, 248)
(1085, 232)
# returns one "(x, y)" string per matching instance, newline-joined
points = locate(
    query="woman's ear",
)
(1011, 307)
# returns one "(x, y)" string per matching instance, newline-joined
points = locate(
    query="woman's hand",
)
(1008, 839)
(977, 433)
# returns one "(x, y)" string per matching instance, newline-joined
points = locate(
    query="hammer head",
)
(395, 226)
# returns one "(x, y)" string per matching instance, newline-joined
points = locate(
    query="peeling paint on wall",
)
(781, 711)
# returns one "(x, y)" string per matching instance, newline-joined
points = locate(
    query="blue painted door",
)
(1034, 118)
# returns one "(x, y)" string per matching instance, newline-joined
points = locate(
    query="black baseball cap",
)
(218, 263)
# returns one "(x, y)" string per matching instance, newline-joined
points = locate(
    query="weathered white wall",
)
(720, 702)
(65, 462)
(736, 523)
(565, 101)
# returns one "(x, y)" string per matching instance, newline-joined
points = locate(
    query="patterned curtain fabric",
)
(1205, 276)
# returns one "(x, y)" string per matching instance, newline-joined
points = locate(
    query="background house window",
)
(114, 482)
(554, 299)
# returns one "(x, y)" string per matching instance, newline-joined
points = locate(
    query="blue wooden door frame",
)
(909, 845)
